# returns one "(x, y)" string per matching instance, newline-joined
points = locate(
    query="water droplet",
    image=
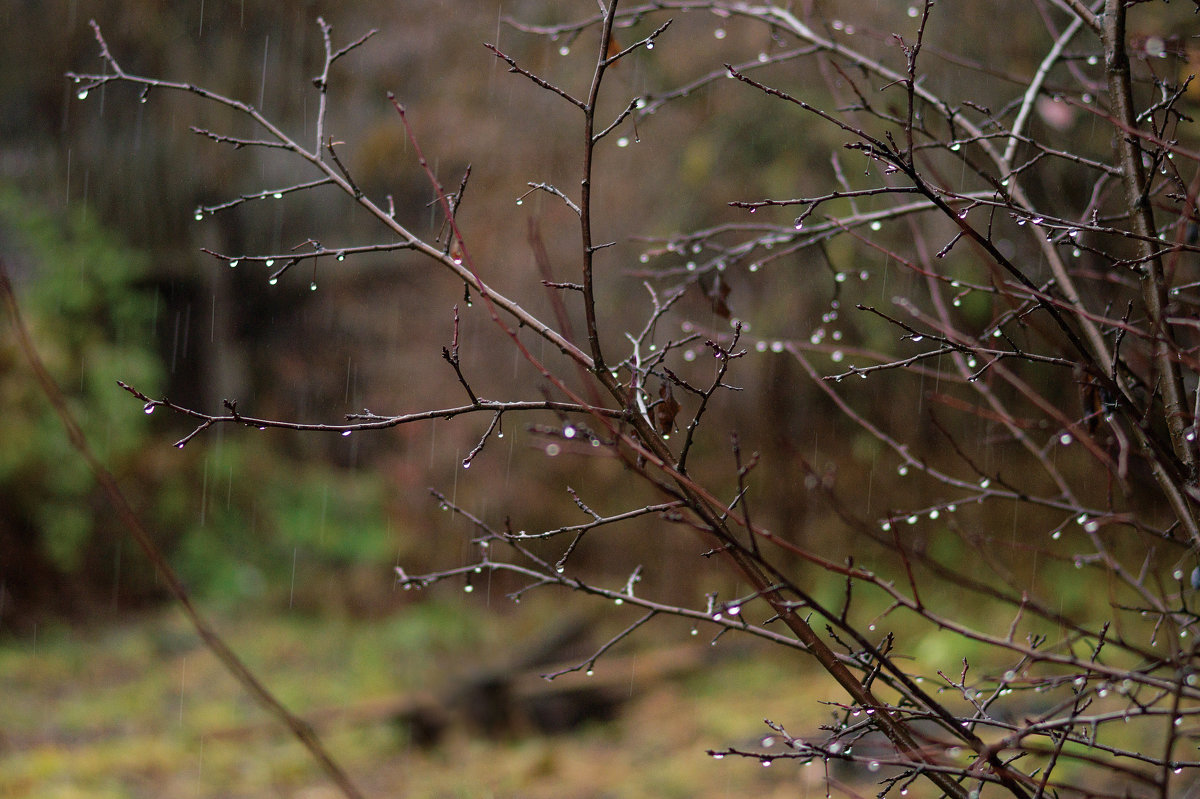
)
(877, 225)
(886, 526)
(346, 433)
(618, 601)
(623, 141)
(754, 267)
(564, 50)
(341, 256)
(312, 286)
(560, 568)
(148, 407)
(273, 281)
(912, 12)
(233, 264)
(82, 95)
(840, 277)
(199, 214)
(912, 519)
(837, 356)
(180, 445)
(278, 195)
(269, 263)
(644, 258)
(1057, 534)
(902, 469)
(468, 588)
(933, 514)
(864, 275)
(717, 756)
(649, 45)
(719, 33)
(798, 224)
(590, 672)
(568, 432)
(552, 449)
(1065, 439)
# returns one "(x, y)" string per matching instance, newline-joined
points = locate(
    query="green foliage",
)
(260, 514)
(234, 518)
(77, 286)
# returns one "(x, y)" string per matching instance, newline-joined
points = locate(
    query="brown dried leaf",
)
(666, 410)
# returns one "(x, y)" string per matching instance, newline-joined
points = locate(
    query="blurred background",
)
(290, 539)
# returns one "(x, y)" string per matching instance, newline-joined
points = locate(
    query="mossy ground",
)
(143, 710)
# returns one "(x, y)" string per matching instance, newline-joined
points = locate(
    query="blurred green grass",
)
(142, 709)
